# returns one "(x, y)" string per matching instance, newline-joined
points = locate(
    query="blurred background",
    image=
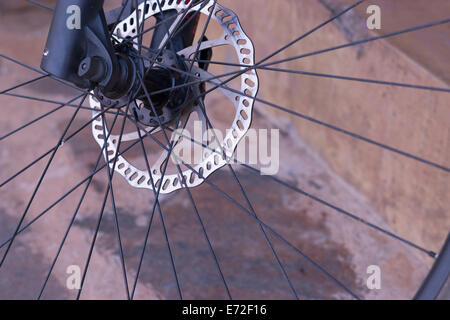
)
(394, 192)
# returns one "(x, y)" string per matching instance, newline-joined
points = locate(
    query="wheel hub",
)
(165, 87)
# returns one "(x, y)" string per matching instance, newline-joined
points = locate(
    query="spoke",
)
(204, 78)
(189, 193)
(160, 213)
(344, 212)
(318, 267)
(320, 26)
(156, 204)
(335, 128)
(75, 214)
(348, 133)
(325, 75)
(36, 120)
(55, 102)
(94, 239)
(337, 209)
(299, 252)
(61, 139)
(205, 234)
(187, 189)
(40, 4)
(177, 28)
(266, 238)
(248, 68)
(176, 16)
(40, 215)
(51, 150)
(169, 250)
(244, 194)
(387, 35)
(356, 136)
(113, 202)
(183, 182)
(277, 235)
(329, 126)
(142, 33)
(138, 24)
(261, 65)
(395, 84)
(43, 73)
(23, 84)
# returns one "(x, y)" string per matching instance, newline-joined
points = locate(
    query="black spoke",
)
(42, 73)
(178, 29)
(35, 120)
(94, 239)
(102, 210)
(52, 149)
(325, 75)
(40, 215)
(276, 234)
(61, 139)
(266, 238)
(268, 228)
(244, 194)
(75, 214)
(156, 204)
(50, 101)
(339, 210)
(344, 212)
(122, 10)
(322, 123)
(40, 5)
(113, 202)
(305, 35)
(335, 128)
(181, 177)
(205, 234)
(351, 44)
(23, 84)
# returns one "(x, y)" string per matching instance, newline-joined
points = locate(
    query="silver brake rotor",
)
(233, 36)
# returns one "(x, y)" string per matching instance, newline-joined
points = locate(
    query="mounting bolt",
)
(92, 68)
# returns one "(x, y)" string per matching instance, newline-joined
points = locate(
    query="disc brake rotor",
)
(233, 36)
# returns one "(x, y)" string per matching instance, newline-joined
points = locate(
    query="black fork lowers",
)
(79, 49)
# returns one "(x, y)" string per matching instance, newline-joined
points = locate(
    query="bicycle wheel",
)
(217, 149)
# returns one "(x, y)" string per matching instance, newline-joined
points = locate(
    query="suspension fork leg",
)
(79, 31)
